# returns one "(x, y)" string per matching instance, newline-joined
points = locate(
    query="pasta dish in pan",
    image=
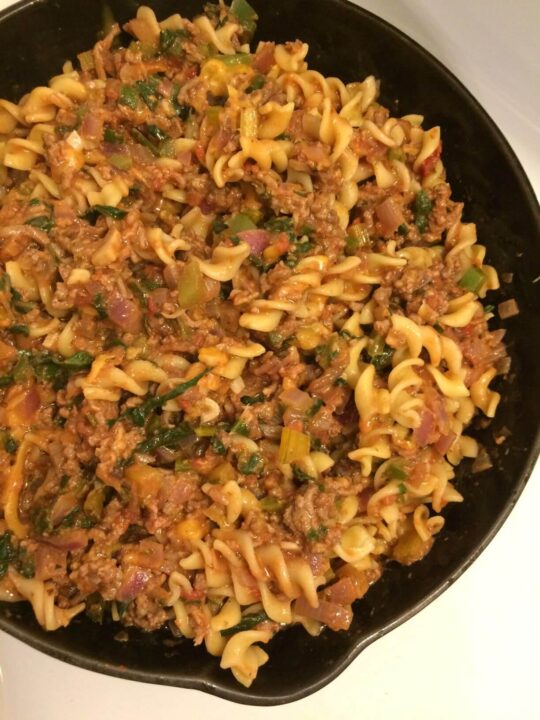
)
(241, 338)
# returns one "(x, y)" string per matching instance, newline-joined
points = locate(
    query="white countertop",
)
(471, 654)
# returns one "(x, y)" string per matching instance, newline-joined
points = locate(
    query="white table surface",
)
(474, 652)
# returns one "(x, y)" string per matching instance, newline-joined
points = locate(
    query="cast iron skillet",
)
(36, 36)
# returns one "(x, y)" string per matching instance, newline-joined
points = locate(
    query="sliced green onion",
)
(86, 60)
(245, 14)
(109, 211)
(396, 472)
(205, 431)
(191, 287)
(240, 428)
(253, 464)
(121, 162)
(252, 399)
(111, 136)
(294, 445)
(239, 223)
(271, 504)
(472, 280)
(42, 222)
(237, 59)
(246, 623)
(128, 97)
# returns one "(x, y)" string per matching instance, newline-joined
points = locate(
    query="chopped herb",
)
(99, 304)
(256, 84)
(489, 309)
(217, 446)
(402, 488)
(107, 210)
(52, 369)
(79, 360)
(301, 476)
(252, 464)
(10, 444)
(246, 623)
(41, 520)
(341, 382)
(472, 280)
(283, 223)
(183, 111)
(396, 472)
(256, 261)
(240, 428)
(143, 140)
(8, 553)
(383, 359)
(314, 409)
(167, 437)
(219, 225)
(316, 534)
(182, 465)
(171, 42)
(111, 136)
(422, 209)
(140, 414)
(325, 354)
(42, 222)
(23, 308)
(157, 133)
(6, 380)
(271, 504)
(34, 201)
(128, 97)
(19, 330)
(252, 399)
(438, 328)
(147, 89)
(403, 229)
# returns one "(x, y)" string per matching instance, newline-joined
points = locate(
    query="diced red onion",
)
(29, 404)
(343, 592)
(508, 309)
(296, 399)
(125, 313)
(135, 581)
(264, 58)
(63, 505)
(71, 540)
(256, 239)
(92, 126)
(335, 616)
(390, 216)
(427, 425)
(444, 443)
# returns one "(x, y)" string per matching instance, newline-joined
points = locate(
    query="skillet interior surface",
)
(35, 39)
